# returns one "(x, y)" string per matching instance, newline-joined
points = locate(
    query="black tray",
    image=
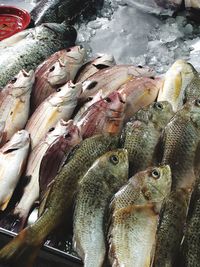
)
(48, 257)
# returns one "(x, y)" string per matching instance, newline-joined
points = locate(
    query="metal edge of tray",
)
(48, 256)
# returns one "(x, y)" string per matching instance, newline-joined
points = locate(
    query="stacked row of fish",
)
(83, 141)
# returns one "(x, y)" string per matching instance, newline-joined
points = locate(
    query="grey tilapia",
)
(102, 180)
(180, 143)
(61, 10)
(22, 250)
(110, 79)
(171, 227)
(190, 256)
(58, 69)
(36, 46)
(15, 103)
(141, 136)
(88, 69)
(134, 217)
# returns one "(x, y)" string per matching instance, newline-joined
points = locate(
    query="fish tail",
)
(22, 250)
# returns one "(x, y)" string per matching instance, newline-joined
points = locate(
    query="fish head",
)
(141, 71)
(19, 140)
(104, 60)
(156, 183)
(76, 54)
(115, 165)
(57, 73)
(22, 83)
(115, 102)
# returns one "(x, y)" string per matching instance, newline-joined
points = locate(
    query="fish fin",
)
(4, 205)
(21, 251)
(43, 200)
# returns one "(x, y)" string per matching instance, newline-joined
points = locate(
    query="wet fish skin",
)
(15, 103)
(31, 190)
(139, 92)
(180, 143)
(141, 137)
(38, 45)
(23, 249)
(13, 157)
(55, 71)
(102, 180)
(59, 105)
(104, 116)
(60, 10)
(134, 214)
(171, 228)
(176, 80)
(2, 125)
(110, 79)
(190, 246)
(93, 66)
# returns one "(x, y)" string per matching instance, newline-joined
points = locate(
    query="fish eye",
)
(197, 102)
(153, 78)
(52, 68)
(58, 89)
(68, 135)
(158, 105)
(69, 49)
(155, 174)
(140, 67)
(107, 99)
(52, 129)
(13, 80)
(89, 99)
(114, 159)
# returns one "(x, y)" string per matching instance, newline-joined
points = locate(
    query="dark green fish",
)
(23, 249)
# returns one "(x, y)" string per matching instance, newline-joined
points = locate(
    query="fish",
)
(30, 51)
(179, 143)
(104, 178)
(31, 190)
(15, 103)
(141, 138)
(177, 79)
(134, 213)
(139, 92)
(104, 116)
(110, 79)
(23, 249)
(171, 228)
(58, 69)
(93, 66)
(189, 254)
(59, 105)
(192, 9)
(13, 156)
(61, 10)
(192, 4)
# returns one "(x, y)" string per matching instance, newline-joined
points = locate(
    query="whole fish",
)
(61, 10)
(96, 188)
(139, 92)
(15, 103)
(141, 138)
(59, 105)
(171, 227)
(180, 142)
(104, 116)
(134, 216)
(110, 79)
(31, 190)
(176, 80)
(61, 67)
(190, 256)
(31, 50)
(88, 69)
(22, 250)
(13, 157)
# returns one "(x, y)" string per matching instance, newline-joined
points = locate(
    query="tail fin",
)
(21, 251)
